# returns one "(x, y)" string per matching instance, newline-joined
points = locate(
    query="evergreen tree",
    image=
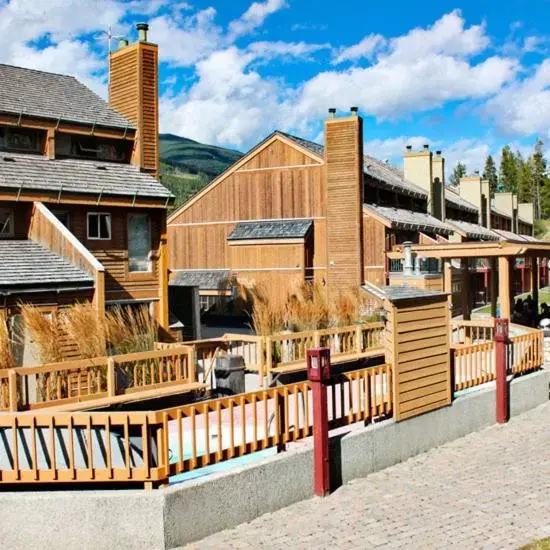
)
(458, 172)
(524, 178)
(490, 173)
(508, 170)
(540, 181)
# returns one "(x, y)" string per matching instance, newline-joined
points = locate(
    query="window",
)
(21, 139)
(139, 243)
(99, 226)
(92, 147)
(6, 222)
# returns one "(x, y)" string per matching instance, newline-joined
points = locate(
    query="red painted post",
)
(318, 372)
(501, 357)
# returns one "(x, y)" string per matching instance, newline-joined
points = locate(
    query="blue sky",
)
(464, 80)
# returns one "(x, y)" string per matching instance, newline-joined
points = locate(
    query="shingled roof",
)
(407, 219)
(273, 229)
(54, 96)
(473, 230)
(77, 176)
(206, 279)
(26, 263)
(456, 200)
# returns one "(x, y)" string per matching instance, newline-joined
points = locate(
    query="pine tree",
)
(541, 183)
(524, 178)
(490, 173)
(458, 172)
(508, 170)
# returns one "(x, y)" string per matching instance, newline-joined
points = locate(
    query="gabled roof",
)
(400, 218)
(315, 148)
(54, 96)
(27, 263)
(473, 230)
(273, 229)
(37, 172)
(206, 279)
(514, 237)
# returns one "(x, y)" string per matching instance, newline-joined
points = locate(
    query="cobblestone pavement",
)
(490, 489)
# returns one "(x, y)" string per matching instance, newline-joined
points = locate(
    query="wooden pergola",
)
(500, 255)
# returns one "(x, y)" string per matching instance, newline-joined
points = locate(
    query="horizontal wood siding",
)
(344, 177)
(113, 253)
(418, 344)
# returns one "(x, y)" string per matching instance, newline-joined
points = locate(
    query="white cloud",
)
(447, 36)
(366, 48)
(254, 17)
(471, 152)
(185, 41)
(230, 104)
(299, 50)
(523, 108)
(392, 149)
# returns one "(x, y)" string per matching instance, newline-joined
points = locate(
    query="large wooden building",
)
(82, 215)
(293, 210)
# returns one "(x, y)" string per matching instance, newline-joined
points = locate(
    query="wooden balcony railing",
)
(472, 332)
(149, 447)
(105, 380)
(527, 351)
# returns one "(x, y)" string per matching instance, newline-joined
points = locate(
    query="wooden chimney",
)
(133, 92)
(344, 192)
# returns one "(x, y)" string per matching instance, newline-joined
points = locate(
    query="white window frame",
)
(149, 254)
(109, 225)
(11, 217)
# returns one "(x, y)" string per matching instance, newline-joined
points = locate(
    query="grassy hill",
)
(186, 166)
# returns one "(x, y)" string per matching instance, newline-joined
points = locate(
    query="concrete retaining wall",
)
(171, 517)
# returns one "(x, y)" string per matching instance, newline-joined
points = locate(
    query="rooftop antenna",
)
(110, 37)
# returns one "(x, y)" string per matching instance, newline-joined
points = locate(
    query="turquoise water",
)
(220, 467)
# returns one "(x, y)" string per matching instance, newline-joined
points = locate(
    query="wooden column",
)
(466, 298)
(535, 281)
(504, 286)
(493, 288)
(448, 282)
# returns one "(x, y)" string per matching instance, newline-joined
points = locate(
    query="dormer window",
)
(6, 223)
(21, 139)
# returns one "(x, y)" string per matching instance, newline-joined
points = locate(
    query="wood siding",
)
(344, 180)
(417, 343)
(278, 181)
(120, 284)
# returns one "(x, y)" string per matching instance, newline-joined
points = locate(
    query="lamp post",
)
(501, 356)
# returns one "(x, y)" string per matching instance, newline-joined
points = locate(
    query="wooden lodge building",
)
(293, 210)
(82, 214)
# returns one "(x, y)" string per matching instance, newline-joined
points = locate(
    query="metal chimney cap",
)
(438, 153)
(122, 43)
(142, 26)
(332, 112)
(354, 110)
(409, 147)
(142, 29)
(426, 146)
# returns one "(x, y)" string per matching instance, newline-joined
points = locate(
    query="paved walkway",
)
(490, 489)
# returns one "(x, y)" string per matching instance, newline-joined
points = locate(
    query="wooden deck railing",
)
(472, 332)
(73, 382)
(286, 352)
(152, 446)
(474, 363)
(527, 351)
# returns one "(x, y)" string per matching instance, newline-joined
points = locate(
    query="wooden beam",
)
(163, 277)
(535, 282)
(504, 287)
(493, 288)
(448, 282)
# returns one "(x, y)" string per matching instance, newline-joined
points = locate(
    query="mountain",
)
(186, 166)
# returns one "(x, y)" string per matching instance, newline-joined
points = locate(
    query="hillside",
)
(186, 166)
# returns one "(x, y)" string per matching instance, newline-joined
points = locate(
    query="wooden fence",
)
(472, 332)
(286, 352)
(148, 447)
(105, 380)
(474, 363)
